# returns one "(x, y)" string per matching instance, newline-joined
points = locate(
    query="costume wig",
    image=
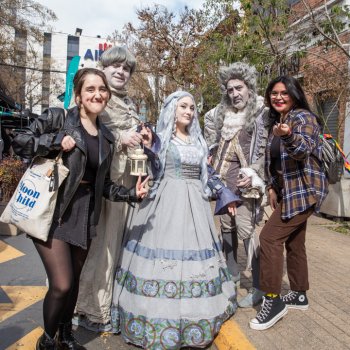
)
(165, 128)
(118, 54)
(248, 75)
(241, 71)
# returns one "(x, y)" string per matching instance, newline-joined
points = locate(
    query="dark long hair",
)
(81, 75)
(295, 91)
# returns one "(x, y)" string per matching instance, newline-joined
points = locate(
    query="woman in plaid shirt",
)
(297, 186)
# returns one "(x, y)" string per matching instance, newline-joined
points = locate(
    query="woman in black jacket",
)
(88, 149)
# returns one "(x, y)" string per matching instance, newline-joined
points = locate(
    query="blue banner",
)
(72, 69)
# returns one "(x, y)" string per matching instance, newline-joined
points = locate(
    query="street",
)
(324, 326)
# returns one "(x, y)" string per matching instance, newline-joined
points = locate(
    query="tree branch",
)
(319, 29)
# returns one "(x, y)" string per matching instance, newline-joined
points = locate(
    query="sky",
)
(102, 17)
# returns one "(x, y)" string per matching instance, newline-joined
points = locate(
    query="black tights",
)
(63, 263)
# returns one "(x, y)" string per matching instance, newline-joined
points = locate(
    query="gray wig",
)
(118, 54)
(248, 75)
(241, 71)
(165, 128)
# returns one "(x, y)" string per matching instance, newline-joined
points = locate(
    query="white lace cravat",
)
(233, 122)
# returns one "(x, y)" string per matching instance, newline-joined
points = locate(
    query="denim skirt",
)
(76, 226)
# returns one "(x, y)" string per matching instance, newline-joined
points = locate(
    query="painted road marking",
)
(21, 297)
(16, 298)
(28, 341)
(4, 298)
(231, 337)
(8, 253)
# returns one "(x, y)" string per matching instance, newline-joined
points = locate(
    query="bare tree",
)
(309, 39)
(167, 46)
(22, 24)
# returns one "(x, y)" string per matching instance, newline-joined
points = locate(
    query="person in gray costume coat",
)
(120, 117)
(236, 130)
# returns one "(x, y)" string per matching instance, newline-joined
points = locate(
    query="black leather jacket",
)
(44, 139)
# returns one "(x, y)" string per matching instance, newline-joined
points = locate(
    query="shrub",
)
(11, 171)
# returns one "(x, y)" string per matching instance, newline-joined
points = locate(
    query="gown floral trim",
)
(156, 288)
(158, 333)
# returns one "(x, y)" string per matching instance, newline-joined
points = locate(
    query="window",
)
(328, 110)
(73, 48)
(45, 87)
(47, 44)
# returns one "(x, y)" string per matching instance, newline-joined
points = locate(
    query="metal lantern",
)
(138, 163)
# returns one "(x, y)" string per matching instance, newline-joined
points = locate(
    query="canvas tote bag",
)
(32, 205)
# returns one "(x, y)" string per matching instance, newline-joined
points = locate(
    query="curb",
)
(231, 337)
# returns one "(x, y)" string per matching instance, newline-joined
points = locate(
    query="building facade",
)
(35, 75)
(58, 50)
(324, 68)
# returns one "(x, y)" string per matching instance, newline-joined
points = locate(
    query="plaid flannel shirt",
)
(305, 182)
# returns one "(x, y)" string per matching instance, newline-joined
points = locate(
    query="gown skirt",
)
(172, 287)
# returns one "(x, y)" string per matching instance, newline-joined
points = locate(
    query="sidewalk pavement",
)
(326, 324)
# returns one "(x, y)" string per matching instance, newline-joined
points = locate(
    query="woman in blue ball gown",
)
(173, 288)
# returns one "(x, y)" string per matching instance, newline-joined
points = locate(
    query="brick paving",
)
(326, 325)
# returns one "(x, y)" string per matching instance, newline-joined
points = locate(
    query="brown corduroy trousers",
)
(276, 234)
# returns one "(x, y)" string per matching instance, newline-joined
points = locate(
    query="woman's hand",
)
(232, 208)
(67, 143)
(281, 129)
(273, 198)
(142, 187)
(146, 134)
(210, 160)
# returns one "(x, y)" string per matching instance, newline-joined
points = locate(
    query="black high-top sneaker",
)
(272, 309)
(296, 300)
(66, 340)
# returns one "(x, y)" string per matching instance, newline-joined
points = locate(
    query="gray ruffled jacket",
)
(213, 121)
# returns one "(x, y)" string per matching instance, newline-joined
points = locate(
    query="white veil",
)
(165, 128)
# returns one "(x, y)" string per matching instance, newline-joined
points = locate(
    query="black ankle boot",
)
(45, 343)
(66, 340)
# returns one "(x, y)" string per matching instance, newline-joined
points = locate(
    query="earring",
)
(174, 127)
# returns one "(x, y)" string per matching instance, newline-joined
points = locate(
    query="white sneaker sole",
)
(298, 307)
(262, 326)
